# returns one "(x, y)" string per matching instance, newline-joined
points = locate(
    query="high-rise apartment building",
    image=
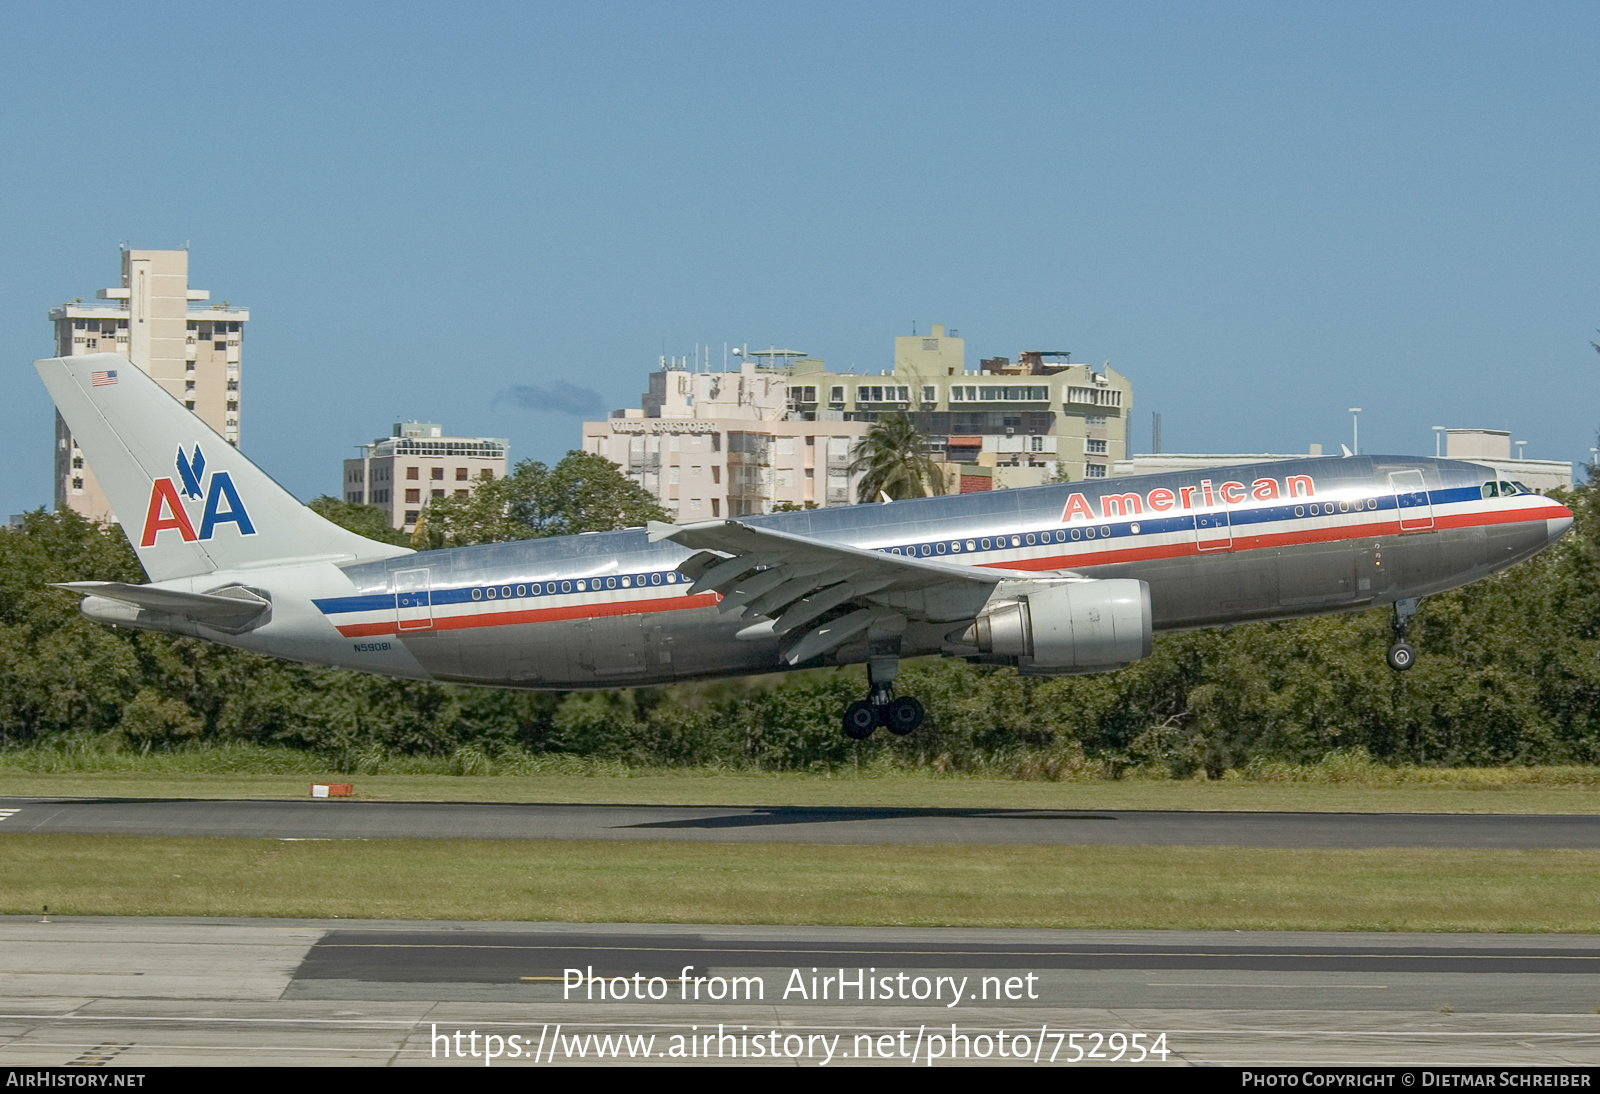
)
(160, 324)
(417, 463)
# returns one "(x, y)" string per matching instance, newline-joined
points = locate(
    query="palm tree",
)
(894, 459)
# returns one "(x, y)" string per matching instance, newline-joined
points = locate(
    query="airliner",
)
(1057, 579)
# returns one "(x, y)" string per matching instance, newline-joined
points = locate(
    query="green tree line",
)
(1508, 671)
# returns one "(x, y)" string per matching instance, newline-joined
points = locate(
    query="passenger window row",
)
(581, 585)
(994, 543)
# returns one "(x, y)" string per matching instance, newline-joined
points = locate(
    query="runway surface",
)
(139, 992)
(336, 819)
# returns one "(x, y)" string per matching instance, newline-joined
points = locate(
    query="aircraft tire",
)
(903, 716)
(860, 719)
(1401, 656)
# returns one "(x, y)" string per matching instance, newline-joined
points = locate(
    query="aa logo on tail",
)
(222, 504)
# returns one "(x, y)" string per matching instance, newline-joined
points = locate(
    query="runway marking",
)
(99, 1055)
(5, 813)
(1200, 1032)
(1251, 985)
(716, 948)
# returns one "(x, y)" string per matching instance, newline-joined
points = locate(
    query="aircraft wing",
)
(816, 595)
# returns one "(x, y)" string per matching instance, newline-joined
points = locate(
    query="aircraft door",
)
(1411, 501)
(413, 600)
(1212, 531)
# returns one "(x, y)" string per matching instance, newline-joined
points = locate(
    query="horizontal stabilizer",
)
(231, 608)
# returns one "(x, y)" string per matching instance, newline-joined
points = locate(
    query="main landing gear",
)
(899, 716)
(1401, 656)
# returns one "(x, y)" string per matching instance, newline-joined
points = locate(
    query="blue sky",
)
(1261, 213)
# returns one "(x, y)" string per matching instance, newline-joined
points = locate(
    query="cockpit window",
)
(1491, 490)
(1521, 488)
(1507, 489)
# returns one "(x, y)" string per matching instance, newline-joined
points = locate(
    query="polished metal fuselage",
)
(1227, 545)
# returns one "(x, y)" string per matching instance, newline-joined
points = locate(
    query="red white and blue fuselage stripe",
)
(1347, 513)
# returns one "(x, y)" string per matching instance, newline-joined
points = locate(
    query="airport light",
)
(1355, 431)
(1520, 446)
(1438, 435)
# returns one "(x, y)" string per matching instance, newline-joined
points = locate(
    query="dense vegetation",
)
(1508, 671)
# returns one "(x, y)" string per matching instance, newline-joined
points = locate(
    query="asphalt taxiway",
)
(336, 819)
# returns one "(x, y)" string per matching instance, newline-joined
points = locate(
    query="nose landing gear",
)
(1401, 656)
(899, 716)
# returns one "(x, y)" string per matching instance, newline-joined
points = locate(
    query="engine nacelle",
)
(1077, 626)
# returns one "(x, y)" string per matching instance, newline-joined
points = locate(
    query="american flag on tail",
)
(102, 378)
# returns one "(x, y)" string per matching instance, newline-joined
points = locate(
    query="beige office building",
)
(715, 444)
(1017, 419)
(159, 323)
(417, 463)
(782, 428)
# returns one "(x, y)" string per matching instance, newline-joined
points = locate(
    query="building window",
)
(1094, 447)
(233, 404)
(461, 493)
(188, 404)
(438, 493)
(411, 516)
(412, 473)
(219, 345)
(1094, 471)
(461, 474)
(486, 473)
(930, 394)
(77, 484)
(437, 474)
(836, 395)
(413, 496)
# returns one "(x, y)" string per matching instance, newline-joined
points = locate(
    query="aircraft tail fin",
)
(188, 500)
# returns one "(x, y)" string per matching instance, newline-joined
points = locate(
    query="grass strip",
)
(1211, 888)
(908, 790)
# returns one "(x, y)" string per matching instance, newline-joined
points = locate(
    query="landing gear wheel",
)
(860, 719)
(1401, 656)
(903, 715)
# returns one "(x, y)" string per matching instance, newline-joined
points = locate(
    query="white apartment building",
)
(160, 324)
(417, 463)
(714, 444)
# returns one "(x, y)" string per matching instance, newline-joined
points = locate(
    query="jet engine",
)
(1072, 627)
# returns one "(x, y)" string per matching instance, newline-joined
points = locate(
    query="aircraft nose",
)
(1556, 527)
